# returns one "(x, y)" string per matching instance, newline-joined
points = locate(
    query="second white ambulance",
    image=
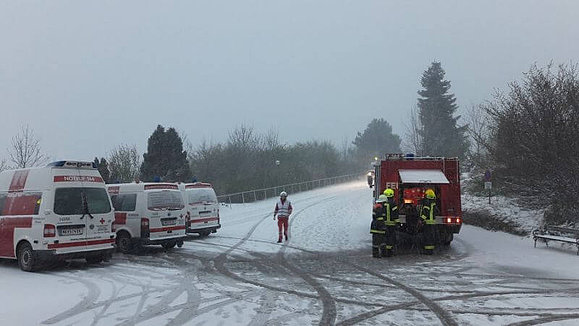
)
(148, 213)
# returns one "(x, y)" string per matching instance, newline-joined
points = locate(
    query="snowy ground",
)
(324, 275)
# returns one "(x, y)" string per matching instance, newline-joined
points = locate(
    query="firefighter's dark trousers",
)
(428, 237)
(378, 240)
(389, 241)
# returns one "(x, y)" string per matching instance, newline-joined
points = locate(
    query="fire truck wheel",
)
(27, 259)
(169, 245)
(124, 243)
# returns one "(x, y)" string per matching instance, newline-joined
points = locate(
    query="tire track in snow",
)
(328, 302)
(87, 303)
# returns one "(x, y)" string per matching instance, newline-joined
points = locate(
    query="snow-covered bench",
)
(557, 233)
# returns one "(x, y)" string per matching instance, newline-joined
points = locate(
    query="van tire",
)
(27, 259)
(169, 245)
(94, 259)
(204, 233)
(124, 242)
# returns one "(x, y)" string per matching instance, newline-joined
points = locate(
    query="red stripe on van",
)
(7, 233)
(168, 228)
(80, 243)
(18, 181)
(161, 186)
(205, 219)
(120, 218)
(77, 178)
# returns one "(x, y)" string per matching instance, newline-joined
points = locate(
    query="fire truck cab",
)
(410, 177)
(148, 214)
(60, 211)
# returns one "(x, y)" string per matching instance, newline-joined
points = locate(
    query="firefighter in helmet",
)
(390, 221)
(428, 212)
(378, 228)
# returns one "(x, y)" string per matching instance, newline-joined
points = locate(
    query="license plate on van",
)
(168, 221)
(71, 231)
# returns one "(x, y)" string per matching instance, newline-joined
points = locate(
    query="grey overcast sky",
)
(87, 76)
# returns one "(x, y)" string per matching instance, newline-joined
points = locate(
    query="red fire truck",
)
(410, 177)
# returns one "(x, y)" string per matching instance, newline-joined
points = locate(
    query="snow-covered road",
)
(324, 275)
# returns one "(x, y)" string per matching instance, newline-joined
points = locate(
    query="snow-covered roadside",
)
(503, 210)
(499, 251)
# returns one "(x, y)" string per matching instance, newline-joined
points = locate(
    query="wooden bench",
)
(557, 233)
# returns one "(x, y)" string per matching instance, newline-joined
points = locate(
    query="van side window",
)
(124, 202)
(2, 201)
(20, 203)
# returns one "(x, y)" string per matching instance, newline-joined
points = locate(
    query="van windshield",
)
(79, 201)
(202, 195)
(161, 200)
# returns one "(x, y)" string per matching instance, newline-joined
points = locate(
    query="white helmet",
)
(283, 194)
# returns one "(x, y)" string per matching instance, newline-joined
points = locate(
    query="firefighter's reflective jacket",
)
(384, 214)
(428, 211)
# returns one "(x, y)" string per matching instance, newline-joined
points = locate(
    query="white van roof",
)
(141, 186)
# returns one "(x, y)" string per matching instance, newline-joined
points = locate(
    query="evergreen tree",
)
(440, 133)
(377, 140)
(165, 157)
(103, 167)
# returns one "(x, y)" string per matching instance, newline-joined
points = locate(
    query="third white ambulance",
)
(148, 213)
(202, 208)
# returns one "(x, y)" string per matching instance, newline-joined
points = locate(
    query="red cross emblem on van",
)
(102, 220)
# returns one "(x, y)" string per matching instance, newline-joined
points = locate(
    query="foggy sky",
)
(87, 76)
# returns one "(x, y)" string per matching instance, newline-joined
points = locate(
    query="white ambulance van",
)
(202, 208)
(60, 211)
(148, 214)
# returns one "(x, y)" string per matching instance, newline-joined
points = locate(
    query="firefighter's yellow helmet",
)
(429, 193)
(389, 192)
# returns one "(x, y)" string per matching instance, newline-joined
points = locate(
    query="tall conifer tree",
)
(165, 157)
(440, 133)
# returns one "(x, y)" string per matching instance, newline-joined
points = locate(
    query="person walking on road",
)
(283, 210)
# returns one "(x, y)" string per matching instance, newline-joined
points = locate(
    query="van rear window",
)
(80, 200)
(202, 195)
(160, 200)
(124, 202)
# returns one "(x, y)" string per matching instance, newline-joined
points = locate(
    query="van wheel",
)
(27, 259)
(204, 233)
(169, 245)
(94, 259)
(124, 243)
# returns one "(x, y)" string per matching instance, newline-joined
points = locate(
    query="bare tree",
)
(3, 165)
(124, 163)
(26, 151)
(477, 119)
(412, 140)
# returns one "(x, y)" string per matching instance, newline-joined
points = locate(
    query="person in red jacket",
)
(283, 210)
